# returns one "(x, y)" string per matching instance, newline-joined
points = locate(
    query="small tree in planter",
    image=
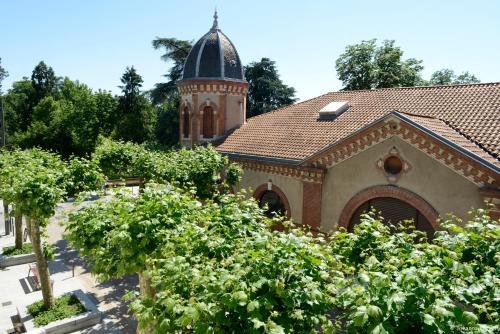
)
(40, 188)
(226, 271)
(216, 266)
(11, 165)
(119, 236)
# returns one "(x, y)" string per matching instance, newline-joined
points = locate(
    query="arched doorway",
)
(272, 201)
(394, 203)
(393, 211)
(274, 198)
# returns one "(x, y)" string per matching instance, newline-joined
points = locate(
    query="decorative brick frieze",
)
(187, 87)
(454, 159)
(310, 174)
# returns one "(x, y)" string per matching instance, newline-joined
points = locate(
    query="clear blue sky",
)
(93, 41)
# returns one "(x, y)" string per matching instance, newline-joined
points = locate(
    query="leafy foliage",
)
(398, 283)
(136, 116)
(64, 307)
(117, 236)
(12, 250)
(83, 176)
(215, 266)
(44, 81)
(202, 168)
(176, 51)
(3, 74)
(224, 270)
(66, 117)
(366, 66)
(266, 91)
(448, 77)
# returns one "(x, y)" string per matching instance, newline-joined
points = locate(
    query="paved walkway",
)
(69, 273)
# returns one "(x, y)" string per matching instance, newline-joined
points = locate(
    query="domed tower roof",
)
(214, 57)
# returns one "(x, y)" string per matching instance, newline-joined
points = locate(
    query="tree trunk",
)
(146, 291)
(41, 263)
(6, 217)
(19, 230)
(145, 288)
(142, 186)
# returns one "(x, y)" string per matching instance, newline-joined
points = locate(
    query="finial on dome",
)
(216, 23)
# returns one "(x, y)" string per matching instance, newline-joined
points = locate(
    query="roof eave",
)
(242, 156)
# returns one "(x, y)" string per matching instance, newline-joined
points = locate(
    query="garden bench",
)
(34, 270)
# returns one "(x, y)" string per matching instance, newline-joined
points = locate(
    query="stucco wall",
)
(202, 98)
(234, 115)
(440, 186)
(290, 186)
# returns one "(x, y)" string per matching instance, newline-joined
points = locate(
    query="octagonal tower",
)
(212, 91)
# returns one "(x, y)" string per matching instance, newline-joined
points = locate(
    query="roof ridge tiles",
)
(494, 83)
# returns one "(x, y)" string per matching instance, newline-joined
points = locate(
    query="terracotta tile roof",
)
(441, 128)
(468, 115)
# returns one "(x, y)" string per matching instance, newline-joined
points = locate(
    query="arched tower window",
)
(187, 123)
(208, 122)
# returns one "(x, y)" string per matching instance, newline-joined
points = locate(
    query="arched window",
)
(273, 202)
(208, 122)
(186, 122)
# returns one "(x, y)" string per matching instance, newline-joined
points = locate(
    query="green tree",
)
(167, 128)
(200, 259)
(44, 82)
(366, 65)
(3, 74)
(466, 78)
(68, 122)
(355, 67)
(203, 169)
(442, 77)
(39, 187)
(10, 163)
(176, 52)
(266, 90)
(447, 76)
(34, 181)
(18, 108)
(136, 115)
(106, 107)
(165, 95)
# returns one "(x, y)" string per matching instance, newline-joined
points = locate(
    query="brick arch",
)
(388, 191)
(257, 194)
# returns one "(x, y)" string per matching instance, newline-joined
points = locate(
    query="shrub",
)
(202, 168)
(82, 176)
(12, 250)
(64, 307)
(398, 282)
